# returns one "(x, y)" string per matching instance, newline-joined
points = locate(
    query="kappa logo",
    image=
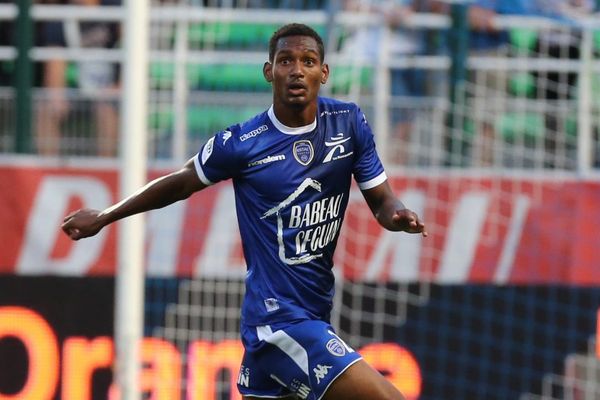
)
(303, 152)
(321, 371)
(337, 148)
(226, 136)
(253, 133)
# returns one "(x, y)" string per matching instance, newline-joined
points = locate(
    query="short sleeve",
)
(217, 159)
(368, 170)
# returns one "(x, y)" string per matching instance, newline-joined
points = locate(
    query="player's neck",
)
(294, 117)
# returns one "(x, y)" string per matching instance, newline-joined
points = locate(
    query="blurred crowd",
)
(95, 78)
(100, 80)
(486, 38)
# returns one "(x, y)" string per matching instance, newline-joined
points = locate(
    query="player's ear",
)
(324, 73)
(268, 71)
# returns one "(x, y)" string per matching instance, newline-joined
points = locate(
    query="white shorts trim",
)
(285, 396)
(287, 344)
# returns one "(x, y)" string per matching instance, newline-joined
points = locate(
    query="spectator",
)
(96, 80)
(555, 85)
(561, 43)
(6, 80)
(404, 82)
(54, 108)
(489, 89)
(6, 39)
(486, 90)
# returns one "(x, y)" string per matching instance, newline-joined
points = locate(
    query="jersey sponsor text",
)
(244, 376)
(312, 216)
(266, 160)
(253, 133)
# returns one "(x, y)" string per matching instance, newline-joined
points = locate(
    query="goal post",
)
(129, 301)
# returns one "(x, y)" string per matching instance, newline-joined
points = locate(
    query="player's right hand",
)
(82, 223)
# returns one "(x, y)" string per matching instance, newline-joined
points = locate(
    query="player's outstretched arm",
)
(390, 212)
(159, 193)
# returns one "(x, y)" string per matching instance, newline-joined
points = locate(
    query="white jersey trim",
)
(370, 184)
(200, 173)
(289, 130)
(286, 343)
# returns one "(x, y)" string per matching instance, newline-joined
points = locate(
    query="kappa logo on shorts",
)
(303, 152)
(336, 348)
(321, 371)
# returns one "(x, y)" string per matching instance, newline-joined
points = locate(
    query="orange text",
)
(161, 373)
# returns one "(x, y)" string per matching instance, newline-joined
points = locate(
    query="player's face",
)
(296, 72)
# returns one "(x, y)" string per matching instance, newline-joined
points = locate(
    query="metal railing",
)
(428, 141)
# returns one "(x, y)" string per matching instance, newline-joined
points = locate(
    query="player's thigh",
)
(362, 382)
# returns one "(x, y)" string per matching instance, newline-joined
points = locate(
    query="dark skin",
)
(296, 74)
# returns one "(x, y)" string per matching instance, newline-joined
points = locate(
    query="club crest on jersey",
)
(335, 347)
(303, 152)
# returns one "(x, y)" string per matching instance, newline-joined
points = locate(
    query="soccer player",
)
(291, 168)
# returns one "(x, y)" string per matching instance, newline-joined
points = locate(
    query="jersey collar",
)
(289, 130)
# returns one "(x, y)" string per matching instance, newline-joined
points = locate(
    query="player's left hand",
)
(408, 221)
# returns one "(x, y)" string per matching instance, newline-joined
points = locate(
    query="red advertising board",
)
(486, 229)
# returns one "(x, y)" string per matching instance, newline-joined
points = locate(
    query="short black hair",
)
(295, 30)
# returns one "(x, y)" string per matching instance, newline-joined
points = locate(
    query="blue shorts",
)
(301, 358)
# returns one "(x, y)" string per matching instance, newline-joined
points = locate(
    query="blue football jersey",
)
(291, 191)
